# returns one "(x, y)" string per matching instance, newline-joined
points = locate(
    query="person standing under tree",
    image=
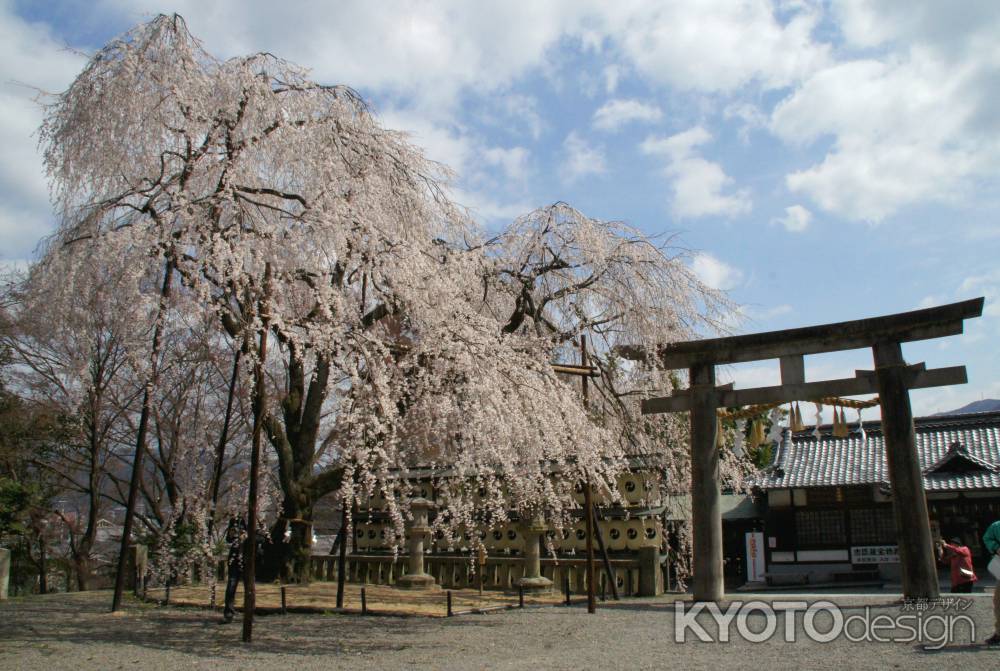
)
(236, 534)
(992, 541)
(960, 558)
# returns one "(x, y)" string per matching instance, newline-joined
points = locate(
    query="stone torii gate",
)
(892, 379)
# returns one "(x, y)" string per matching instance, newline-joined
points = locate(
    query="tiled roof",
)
(803, 461)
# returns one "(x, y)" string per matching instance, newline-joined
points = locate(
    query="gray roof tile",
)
(803, 461)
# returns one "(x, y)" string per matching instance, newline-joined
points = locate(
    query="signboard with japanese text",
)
(875, 554)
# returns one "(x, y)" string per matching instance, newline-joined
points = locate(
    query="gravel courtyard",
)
(76, 632)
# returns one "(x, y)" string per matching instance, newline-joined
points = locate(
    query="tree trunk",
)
(289, 561)
(84, 569)
(43, 569)
(294, 438)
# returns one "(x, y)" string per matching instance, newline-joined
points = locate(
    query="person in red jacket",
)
(960, 558)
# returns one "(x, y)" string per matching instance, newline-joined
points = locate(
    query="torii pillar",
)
(706, 510)
(909, 503)
(892, 379)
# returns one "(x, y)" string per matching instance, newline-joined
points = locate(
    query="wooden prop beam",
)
(573, 369)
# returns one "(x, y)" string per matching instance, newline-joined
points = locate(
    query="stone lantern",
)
(533, 580)
(419, 529)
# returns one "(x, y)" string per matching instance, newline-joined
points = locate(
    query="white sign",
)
(755, 556)
(875, 554)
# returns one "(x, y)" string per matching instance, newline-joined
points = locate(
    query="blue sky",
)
(824, 161)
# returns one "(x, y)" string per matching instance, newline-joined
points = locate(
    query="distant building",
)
(829, 514)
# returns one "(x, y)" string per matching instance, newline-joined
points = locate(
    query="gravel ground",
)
(76, 632)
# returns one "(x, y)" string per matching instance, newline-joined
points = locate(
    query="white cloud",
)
(435, 52)
(699, 187)
(580, 159)
(759, 314)
(947, 27)
(524, 110)
(29, 55)
(612, 75)
(443, 142)
(986, 284)
(929, 302)
(513, 161)
(796, 219)
(914, 124)
(750, 115)
(614, 114)
(714, 272)
(488, 210)
(482, 171)
(429, 52)
(717, 46)
(913, 121)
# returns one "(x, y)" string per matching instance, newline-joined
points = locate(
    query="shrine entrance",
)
(891, 379)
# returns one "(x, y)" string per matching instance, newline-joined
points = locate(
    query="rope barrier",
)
(833, 401)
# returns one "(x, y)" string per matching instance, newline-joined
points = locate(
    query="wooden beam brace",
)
(921, 379)
(571, 369)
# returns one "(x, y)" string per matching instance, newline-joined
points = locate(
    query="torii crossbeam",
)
(892, 379)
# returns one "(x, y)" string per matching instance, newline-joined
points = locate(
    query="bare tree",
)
(73, 360)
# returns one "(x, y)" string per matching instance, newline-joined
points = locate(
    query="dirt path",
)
(76, 632)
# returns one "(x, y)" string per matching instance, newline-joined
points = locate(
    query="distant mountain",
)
(985, 405)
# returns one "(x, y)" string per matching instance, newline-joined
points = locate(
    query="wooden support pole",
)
(140, 440)
(588, 506)
(364, 601)
(259, 405)
(220, 450)
(588, 496)
(342, 557)
(706, 511)
(605, 558)
(916, 552)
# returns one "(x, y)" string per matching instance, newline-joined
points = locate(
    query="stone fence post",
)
(4, 572)
(650, 573)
